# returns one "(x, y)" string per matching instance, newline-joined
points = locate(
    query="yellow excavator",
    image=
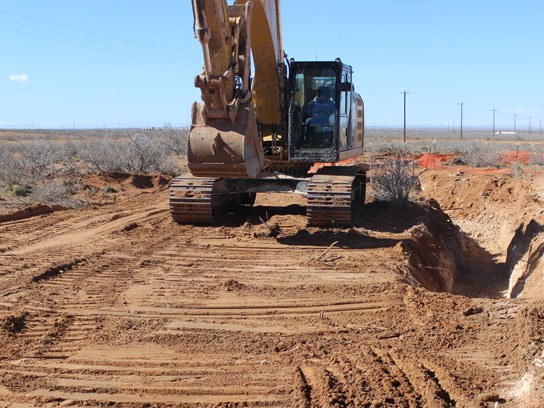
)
(264, 132)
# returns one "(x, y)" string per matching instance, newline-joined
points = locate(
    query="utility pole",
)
(515, 116)
(461, 103)
(404, 92)
(529, 126)
(494, 110)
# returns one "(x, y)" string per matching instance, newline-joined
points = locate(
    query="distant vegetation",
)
(47, 166)
(477, 148)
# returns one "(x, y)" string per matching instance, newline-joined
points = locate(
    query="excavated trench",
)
(435, 250)
(444, 258)
(491, 247)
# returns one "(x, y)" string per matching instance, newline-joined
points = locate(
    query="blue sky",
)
(132, 62)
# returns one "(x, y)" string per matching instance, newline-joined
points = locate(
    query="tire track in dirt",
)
(53, 295)
(109, 280)
(15, 234)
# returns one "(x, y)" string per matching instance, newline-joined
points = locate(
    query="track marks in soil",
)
(149, 373)
(304, 387)
(77, 226)
(320, 387)
(56, 270)
(150, 312)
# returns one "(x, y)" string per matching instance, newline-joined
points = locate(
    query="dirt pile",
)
(524, 260)
(14, 323)
(435, 250)
(31, 211)
(125, 182)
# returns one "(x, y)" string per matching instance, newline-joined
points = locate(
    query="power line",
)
(95, 40)
(89, 46)
(71, 28)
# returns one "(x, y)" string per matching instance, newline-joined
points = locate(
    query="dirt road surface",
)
(119, 306)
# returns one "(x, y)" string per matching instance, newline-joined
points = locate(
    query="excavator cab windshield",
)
(313, 111)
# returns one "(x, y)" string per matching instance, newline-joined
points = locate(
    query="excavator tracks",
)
(200, 200)
(335, 197)
(191, 200)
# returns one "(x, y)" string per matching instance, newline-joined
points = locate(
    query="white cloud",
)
(19, 78)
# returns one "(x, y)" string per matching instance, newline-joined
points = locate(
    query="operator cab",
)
(324, 117)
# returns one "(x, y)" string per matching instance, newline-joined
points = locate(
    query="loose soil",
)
(438, 305)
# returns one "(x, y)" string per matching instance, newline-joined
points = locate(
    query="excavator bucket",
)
(221, 147)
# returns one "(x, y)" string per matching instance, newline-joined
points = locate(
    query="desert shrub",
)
(394, 178)
(12, 168)
(31, 163)
(143, 154)
(109, 190)
(168, 166)
(19, 191)
(174, 140)
(146, 154)
(41, 157)
(72, 185)
(536, 157)
(477, 154)
(55, 192)
(136, 153)
(103, 156)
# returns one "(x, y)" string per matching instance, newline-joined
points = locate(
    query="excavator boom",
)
(224, 139)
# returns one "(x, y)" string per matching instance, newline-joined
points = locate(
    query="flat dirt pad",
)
(131, 309)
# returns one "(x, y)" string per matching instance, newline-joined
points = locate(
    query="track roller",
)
(335, 196)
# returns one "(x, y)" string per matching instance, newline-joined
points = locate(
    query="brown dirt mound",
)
(524, 260)
(32, 211)
(266, 230)
(434, 251)
(14, 323)
(126, 181)
(141, 181)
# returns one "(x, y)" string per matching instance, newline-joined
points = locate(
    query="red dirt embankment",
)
(441, 161)
(435, 251)
(434, 160)
(31, 211)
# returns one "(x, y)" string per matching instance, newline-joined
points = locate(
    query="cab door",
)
(345, 129)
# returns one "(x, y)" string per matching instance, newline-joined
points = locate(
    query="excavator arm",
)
(225, 140)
